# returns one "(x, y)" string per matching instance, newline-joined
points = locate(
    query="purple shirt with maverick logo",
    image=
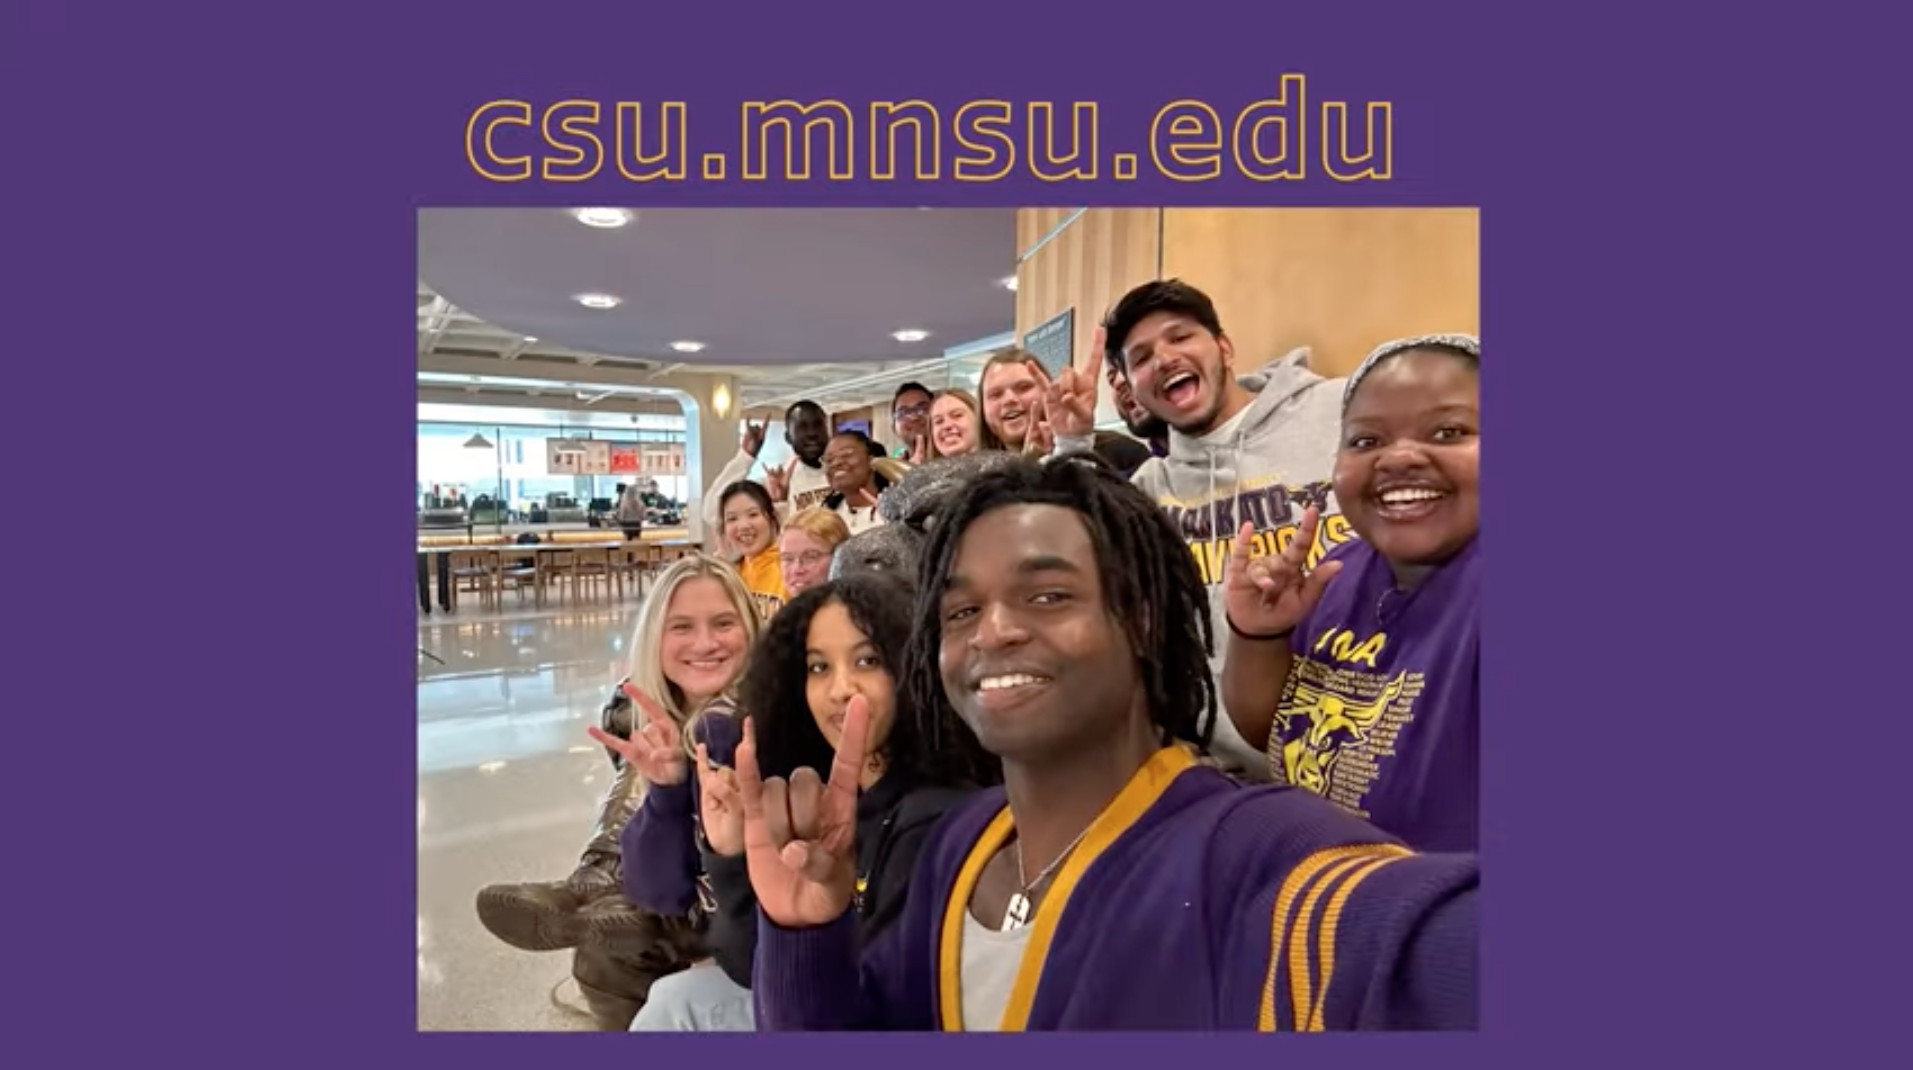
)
(1382, 709)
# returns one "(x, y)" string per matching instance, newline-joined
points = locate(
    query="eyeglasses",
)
(807, 559)
(904, 412)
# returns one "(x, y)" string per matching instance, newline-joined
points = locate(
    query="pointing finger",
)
(749, 785)
(1239, 553)
(1297, 551)
(847, 768)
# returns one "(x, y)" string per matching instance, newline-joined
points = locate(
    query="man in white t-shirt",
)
(795, 485)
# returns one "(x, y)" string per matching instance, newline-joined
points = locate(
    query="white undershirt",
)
(859, 520)
(989, 963)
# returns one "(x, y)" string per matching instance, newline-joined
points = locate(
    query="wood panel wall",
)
(1093, 261)
(1339, 280)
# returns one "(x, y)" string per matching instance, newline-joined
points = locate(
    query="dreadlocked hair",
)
(773, 692)
(1150, 588)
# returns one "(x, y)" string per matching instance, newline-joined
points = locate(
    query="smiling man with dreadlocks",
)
(1112, 882)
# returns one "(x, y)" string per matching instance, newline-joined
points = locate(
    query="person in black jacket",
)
(833, 644)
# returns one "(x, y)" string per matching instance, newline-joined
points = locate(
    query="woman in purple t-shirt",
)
(1366, 689)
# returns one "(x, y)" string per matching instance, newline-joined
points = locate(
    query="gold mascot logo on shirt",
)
(1336, 723)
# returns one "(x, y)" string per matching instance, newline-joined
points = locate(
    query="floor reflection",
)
(508, 785)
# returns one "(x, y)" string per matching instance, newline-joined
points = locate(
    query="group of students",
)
(1184, 744)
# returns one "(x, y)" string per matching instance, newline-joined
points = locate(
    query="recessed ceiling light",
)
(604, 217)
(687, 347)
(598, 300)
(530, 338)
(1008, 284)
(911, 336)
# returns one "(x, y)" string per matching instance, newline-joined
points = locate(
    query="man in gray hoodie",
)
(1257, 449)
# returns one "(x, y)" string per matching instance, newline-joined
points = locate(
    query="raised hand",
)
(1071, 398)
(919, 449)
(656, 749)
(777, 482)
(1268, 596)
(720, 806)
(753, 437)
(1041, 438)
(800, 838)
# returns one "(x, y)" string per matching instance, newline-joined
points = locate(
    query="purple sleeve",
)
(831, 978)
(1428, 936)
(660, 850)
(823, 979)
(1335, 926)
(661, 860)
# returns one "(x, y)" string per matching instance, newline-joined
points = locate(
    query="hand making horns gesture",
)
(800, 837)
(1268, 596)
(754, 436)
(657, 749)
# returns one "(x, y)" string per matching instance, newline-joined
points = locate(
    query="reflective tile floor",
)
(508, 784)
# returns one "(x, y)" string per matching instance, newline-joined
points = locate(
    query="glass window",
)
(496, 476)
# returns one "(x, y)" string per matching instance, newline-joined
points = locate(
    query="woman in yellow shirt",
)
(750, 533)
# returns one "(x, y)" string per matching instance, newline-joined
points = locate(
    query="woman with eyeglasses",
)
(805, 548)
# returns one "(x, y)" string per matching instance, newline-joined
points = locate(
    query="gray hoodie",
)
(1277, 460)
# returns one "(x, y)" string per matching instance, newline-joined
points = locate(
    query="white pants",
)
(701, 999)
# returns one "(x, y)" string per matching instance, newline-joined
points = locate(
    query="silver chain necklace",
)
(1017, 914)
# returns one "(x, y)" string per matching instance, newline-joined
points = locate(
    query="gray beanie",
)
(1466, 343)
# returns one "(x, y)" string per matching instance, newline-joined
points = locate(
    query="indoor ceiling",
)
(791, 301)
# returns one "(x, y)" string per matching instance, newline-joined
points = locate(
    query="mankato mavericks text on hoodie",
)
(1277, 460)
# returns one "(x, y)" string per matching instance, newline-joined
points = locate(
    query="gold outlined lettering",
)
(519, 114)
(764, 116)
(886, 118)
(1188, 119)
(1335, 143)
(667, 162)
(566, 125)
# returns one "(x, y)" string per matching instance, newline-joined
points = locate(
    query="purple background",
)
(1688, 223)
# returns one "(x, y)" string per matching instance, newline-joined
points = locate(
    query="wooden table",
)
(447, 593)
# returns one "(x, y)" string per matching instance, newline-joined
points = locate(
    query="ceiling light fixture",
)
(687, 346)
(1008, 284)
(530, 338)
(911, 335)
(604, 218)
(598, 300)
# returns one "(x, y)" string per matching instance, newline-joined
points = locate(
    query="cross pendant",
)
(1018, 914)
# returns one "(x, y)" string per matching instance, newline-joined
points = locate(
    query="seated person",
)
(825, 659)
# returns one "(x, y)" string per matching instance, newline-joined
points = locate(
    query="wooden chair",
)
(517, 570)
(475, 570)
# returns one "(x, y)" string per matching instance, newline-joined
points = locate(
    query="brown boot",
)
(614, 993)
(544, 915)
(617, 962)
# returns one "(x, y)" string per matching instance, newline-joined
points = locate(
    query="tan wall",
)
(1088, 265)
(1339, 280)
